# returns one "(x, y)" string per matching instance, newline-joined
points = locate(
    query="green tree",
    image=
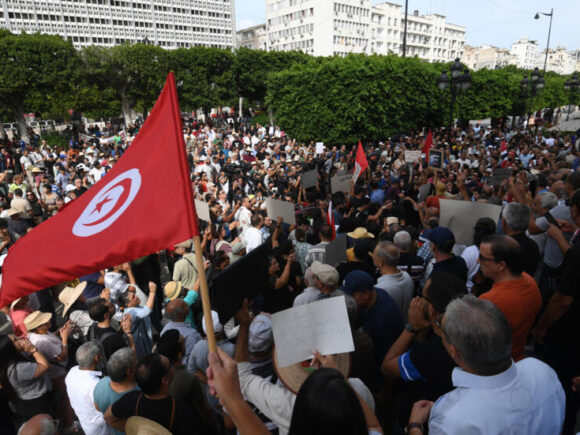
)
(36, 75)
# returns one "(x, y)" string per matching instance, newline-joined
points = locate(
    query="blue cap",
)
(357, 281)
(440, 236)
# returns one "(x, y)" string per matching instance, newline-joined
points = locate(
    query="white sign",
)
(319, 147)
(322, 326)
(202, 210)
(283, 209)
(340, 183)
(412, 156)
(107, 205)
(461, 216)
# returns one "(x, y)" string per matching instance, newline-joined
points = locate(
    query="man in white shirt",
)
(80, 383)
(253, 235)
(493, 394)
(244, 216)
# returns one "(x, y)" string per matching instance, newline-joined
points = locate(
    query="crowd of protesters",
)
(448, 338)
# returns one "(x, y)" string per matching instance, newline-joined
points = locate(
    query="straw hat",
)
(293, 376)
(36, 170)
(172, 289)
(360, 233)
(69, 295)
(36, 319)
(143, 426)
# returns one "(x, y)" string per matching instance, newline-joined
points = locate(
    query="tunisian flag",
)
(427, 145)
(330, 220)
(361, 162)
(143, 205)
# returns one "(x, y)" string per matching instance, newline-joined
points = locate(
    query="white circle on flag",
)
(107, 205)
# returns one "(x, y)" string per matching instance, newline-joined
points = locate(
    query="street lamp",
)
(572, 86)
(535, 85)
(537, 17)
(458, 82)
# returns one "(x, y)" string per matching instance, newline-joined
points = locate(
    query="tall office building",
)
(166, 23)
(329, 27)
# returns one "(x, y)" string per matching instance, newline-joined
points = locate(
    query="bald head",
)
(177, 310)
(41, 424)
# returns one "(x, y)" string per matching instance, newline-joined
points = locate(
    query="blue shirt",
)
(378, 196)
(104, 396)
(527, 398)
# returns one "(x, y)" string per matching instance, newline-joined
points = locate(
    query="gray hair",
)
(388, 252)
(517, 216)
(480, 332)
(309, 277)
(119, 364)
(403, 240)
(548, 200)
(86, 354)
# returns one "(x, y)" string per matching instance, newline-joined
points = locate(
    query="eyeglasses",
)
(482, 258)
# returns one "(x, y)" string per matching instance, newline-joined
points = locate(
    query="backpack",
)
(99, 342)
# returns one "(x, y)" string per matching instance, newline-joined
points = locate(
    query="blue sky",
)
(494, 22)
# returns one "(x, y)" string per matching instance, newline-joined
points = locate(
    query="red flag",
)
(427, 145)
(142, 205)
(361, 162)
(330, 220)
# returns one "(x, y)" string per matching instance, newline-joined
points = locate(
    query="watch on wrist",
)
(409, 328)
(413, 426)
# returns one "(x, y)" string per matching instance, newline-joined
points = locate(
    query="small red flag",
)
(361, 162)
(142, 205)
(330, 220)
(427, 145)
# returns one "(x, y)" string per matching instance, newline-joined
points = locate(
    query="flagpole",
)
(204, 295)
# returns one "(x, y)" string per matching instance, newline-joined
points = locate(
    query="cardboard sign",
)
(340, 183)
(499, 175)
(412, 156)
(436, 159)
(321, 326)
(336, 251)
(283, 209)
(202, 209)
(235, 283)
(309, 179)
(461, 216)
(319, 147)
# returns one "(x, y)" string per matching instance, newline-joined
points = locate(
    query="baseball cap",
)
(439, 236)
(261, 338)
(217, 326)
(325, 273)
(357, 281)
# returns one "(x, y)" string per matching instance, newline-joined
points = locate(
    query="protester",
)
(493, 394)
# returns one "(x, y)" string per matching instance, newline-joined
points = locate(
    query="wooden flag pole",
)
(204, 295)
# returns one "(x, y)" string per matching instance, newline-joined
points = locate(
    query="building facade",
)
(526, 53)
(253, 37)
(167, 23)
(487, 56)
(329, 27)
(559, 61)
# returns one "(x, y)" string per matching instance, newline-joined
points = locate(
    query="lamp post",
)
(457, 83)
(572, 85)
(537, 17)
(535, 85)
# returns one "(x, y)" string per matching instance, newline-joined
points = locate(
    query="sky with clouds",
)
(493, 22)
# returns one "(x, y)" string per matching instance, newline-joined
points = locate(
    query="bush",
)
(261, 118)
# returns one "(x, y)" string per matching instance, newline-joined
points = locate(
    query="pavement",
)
(573, 124)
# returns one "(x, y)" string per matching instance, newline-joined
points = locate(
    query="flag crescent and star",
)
(144, 204)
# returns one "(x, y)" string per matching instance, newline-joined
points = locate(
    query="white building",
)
(167, 23)
(487, 56)
(328, 27)
(526, 53)
(559, 61)
(253, 37)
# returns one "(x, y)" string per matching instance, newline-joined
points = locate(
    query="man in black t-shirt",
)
(102, 312)
(418, 357)
(154, 375)
(559, 326)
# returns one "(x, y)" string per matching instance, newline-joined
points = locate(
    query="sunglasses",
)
(482, 258)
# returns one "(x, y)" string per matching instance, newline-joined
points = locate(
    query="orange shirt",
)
(519, 301)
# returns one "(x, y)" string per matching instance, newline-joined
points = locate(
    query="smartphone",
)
(551, 219)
